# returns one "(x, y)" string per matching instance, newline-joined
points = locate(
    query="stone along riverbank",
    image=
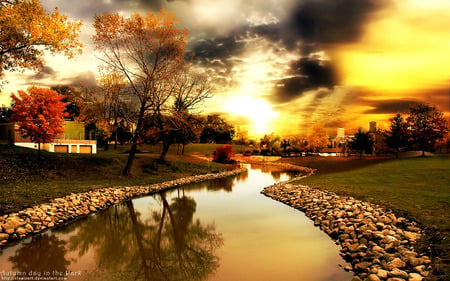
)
(378, 244)
(60, 211)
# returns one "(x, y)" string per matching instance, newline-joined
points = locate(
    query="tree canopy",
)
(27, 31)
(39, 114)
(427, 125)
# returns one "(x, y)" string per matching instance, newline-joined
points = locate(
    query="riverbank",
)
(378, 244)
(415, 187)
(24, 182)
(60, 211)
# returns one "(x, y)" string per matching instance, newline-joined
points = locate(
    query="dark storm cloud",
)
(331, 22)
(312, 26)
(390, 106)
(308, 74)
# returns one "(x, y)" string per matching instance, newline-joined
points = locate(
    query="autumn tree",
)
(362, 142)
(176, 125)
(27, 31)
(270, 143)
(397, 136)
(39, 114)
(427, 125)
(317, 138)
(148, 51)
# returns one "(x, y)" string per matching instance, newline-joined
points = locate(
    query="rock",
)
(396, 279)
(415, 277)
(396, 263)
(362, 266)
(373, 277)
(21, 231)
(4, 236)
(411, 236)
(398, 273)
(13, 222)
(382, 273)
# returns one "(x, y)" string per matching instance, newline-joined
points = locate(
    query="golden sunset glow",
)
(271, 72)
(258, 111)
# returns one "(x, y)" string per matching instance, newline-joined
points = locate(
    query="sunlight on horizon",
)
(258, 111)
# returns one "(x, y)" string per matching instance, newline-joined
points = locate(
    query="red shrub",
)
(223, 154)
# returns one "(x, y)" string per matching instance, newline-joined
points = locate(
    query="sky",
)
(282, 65)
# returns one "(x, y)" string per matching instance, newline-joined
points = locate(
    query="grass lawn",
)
(24, 182)
(417, 186)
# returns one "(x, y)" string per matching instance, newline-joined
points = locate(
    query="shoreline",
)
(378, 244)
(61, 211)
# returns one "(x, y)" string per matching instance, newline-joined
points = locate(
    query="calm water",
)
(220, 230)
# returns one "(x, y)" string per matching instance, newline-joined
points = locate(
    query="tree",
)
(217, 130)
(270, 144)
(39, 114)
(362, 142)
(427, 125)
(317, 138)
(397, 137)
(148, 51)
(27, 31)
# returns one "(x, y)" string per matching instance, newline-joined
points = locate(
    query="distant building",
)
(340, 133)
(373, 126)
(71, 141)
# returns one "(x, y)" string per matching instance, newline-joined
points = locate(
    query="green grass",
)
(24, 182)
(417, 187)
(420, 186)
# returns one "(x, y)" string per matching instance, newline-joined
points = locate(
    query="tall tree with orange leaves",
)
(39, 114)
(148, 51)
(27, 31)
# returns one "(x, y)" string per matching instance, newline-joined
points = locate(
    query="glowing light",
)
(258, 111)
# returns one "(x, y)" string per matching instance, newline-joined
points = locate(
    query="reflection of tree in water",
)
(169, 245)
(43, 253)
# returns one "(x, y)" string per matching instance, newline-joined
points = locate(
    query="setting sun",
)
(257, 111)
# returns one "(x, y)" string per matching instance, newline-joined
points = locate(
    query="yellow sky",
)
(403, 54)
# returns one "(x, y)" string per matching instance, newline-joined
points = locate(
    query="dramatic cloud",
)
(390, 106)
(311, 26)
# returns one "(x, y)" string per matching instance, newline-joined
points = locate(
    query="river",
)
(218, 230)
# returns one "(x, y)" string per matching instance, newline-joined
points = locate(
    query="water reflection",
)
(39, 254)
(169, 237)
(169, 245)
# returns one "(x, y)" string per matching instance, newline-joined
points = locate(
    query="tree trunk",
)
(360, 154)
(127, 170)
(39, 152)
(165, 149)
(423, 153)
(396, 153)
(182, 149)
(106, 147)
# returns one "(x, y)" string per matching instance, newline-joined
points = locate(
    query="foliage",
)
(298, 144)
(148, 51)
(241, 136)
(216, 130)
(317, 138)
(39, 114)
(427, 125)
(27, 30)
(397, 137)
(362, 142)
(270, 144)
(223, 154)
